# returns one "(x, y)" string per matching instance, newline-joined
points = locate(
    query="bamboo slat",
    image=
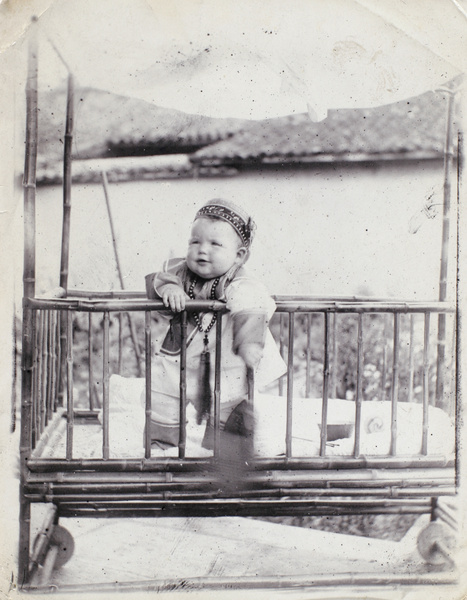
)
(69, 363)
(217, 388)
(290, 374)
(334, 354)
(359, 396)
(308, 356)
(282, 349)
(105, 389)
(182, 385)
(147, 410)
(395, 384)
(425, 383)
(411, 358)
(90, 365)
(324, 413)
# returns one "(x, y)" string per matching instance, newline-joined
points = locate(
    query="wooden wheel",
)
(435, 543)
(63, 540)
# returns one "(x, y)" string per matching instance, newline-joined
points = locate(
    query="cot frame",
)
(185, 486)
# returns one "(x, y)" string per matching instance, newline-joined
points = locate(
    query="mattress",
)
(127, 418)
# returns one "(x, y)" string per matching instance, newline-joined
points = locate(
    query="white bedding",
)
(127, 425)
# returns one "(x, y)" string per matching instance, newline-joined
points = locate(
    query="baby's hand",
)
(174, 297)
(251, 354)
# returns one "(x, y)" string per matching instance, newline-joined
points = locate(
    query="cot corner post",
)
(29, 286)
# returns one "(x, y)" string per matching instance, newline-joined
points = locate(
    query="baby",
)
(219, 246)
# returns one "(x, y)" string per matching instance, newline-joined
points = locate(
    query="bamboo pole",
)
(324, 413)
(105, 389)
(448, 160)
(140, 304)
(334, 353)
(90, 365)
(29, 277)
(425, 384)
(148, 405)
(65, 243)
(133, 335)
(69, 381)
(290, 374)
(395, 384)
(67, 161)
(182, 388)
(217, 388)
(344, 464)
(358, 399)
(411, 359)
(308, 356)
(282, 349)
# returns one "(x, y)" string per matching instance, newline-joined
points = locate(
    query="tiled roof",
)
(414, 127)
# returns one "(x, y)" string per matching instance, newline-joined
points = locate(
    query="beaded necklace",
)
(204, 385)
(196, 316)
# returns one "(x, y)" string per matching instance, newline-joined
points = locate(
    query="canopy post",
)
(443, 275)
(65, 246)
(29, 281)
(67, 184)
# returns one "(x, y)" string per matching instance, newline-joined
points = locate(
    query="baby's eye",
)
(193, 242)
(216, 244)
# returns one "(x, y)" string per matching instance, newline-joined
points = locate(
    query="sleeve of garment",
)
(155, 282)
(251, 307)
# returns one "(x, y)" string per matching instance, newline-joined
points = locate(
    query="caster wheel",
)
(63, 540)
(435, 544)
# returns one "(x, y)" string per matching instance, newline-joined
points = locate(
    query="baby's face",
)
(213, 248)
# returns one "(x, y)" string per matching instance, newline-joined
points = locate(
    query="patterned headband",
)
(245, 229)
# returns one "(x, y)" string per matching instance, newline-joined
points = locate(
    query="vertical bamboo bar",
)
(105, 389)
(324, 411)
(395, 385)
(120, 342)
(65, 245)
(448, 155)
(411, 358)
(308, 356)
(217, 386)
(41, 399)
(69, 379)
(182, 415)
(35, 383)
(290, 372)
(384, 376)
(58, 361)
(90, 365)
(358, 400)
(50, 370)
(46, 364)
(64, 259)
(334, 352)
(281, 349)
(425, 384)
(148, 352)
(29, 277)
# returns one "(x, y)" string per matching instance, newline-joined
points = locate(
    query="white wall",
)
(333, 230)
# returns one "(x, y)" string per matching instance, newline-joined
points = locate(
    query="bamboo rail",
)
(303, 583)
(29, 277)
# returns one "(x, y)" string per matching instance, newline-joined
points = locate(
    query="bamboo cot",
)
(287, 484)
